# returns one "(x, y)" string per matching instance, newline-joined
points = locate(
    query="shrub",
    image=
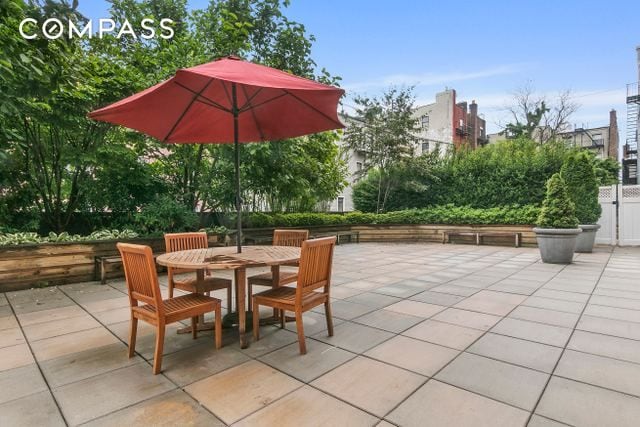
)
(558, 211)
(165, 215)
(582, 186)
(7, 239)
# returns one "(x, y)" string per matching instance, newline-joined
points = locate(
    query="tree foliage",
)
(579, 175)
(558, 210)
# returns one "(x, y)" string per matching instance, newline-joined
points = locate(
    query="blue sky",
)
(483, 49)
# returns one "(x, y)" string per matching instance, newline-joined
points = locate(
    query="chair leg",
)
(282, 319)
(133, 332)
(218, 326)
(327, 314)
(256, 320)
(194, 327)
(300, 328)
(170, 285)
(157, 357)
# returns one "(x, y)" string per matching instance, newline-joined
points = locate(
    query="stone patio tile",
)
(605, 345)
(313, 322)
(9, 337)
(35, 410)
(543, 315)
(363, 285)
(624, 314)
(94, 294)
(343, 292)
(615, 302)
(616, 293)
(519, 352)
(368, 384)
(50, 348)
(354, 337)
(28, 319)
(463, 291)
(8, 322)
(54, 328)
(445, 405)
(116, 315)
(271, 338)
(601, 371)
(531, 331)
(15, 357)
(512, 289)
(96, 396)
(446, 334)
(320, 359)
(106, 304)
(345, 310)
(415, 308)
(554, 304)
(20, 382)
(169, 409)
(195, 363)
(496, 303)
(538, 421)
(84, 364)
(237, 392)
(437, 298)
(31, 306)
(562, 295)
(388, 320)
(400, 291)
(418, 356)
(309, 404)
(501, 381)
(146, 338)
(373, 299)
(581, 404)
(467, 318)
(618, 328)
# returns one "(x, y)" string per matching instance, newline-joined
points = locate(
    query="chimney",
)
(614, 138)
(473, 124)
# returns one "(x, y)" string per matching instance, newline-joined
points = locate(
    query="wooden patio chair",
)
(143, 287)
(312, 289)
(280, 238)
(185, 241)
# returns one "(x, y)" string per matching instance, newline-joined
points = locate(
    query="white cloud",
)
(432, 79)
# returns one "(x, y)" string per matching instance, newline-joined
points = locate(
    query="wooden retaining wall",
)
(25, 266)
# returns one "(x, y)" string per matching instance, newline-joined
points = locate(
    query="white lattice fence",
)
(607, 233)
(629, 215)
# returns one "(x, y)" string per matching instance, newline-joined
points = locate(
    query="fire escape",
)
(630, 149)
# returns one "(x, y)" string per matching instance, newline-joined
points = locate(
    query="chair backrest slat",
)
(316, 258)
(183, 242)
(140, 274)
(290, 237)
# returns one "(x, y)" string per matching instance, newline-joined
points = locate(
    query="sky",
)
(485, 50)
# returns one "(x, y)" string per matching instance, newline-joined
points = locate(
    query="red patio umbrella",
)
(228, 101)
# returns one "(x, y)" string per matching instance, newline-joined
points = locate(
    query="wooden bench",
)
(479, 235)
(108, 263)
(339, 234)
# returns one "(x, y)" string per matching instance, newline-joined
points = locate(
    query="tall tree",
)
(533, 116)
(385, 130)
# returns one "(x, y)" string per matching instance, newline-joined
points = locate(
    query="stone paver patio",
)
(425, 334)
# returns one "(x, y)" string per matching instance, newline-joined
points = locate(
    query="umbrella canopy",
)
(228, 101)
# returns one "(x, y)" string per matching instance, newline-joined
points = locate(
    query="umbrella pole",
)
(236, 147)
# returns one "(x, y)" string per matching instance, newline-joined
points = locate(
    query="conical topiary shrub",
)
(558, 210)
(582, 185)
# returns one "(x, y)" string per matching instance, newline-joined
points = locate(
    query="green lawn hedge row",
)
(447, 214)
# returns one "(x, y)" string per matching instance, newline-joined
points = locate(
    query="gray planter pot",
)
(587, 238)
(557, 244)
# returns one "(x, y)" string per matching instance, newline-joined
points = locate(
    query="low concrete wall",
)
(26, 266)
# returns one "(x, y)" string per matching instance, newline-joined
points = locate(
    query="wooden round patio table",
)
(227, 258)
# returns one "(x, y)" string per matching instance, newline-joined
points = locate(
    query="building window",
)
(358, 166)
(341, 204)
(425, 147)
(424, 122)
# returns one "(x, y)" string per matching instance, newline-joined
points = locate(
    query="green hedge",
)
(447, 214)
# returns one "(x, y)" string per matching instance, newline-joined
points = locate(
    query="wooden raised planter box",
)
(35, 265)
